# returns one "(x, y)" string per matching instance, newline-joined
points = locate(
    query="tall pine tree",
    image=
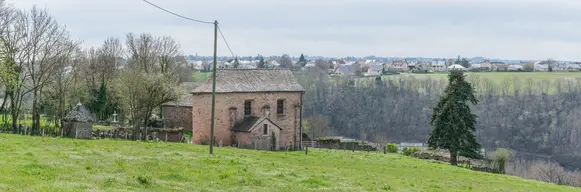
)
(98, 103)
(302, 60)
(236, 63)
(452, 120)
(261, 63)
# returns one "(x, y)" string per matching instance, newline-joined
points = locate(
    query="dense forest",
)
(523, 115)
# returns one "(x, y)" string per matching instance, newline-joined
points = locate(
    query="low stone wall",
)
(353, 146)
(474, 164)
(153, 134)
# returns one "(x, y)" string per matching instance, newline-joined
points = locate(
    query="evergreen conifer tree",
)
(100, 101)
(302, 60)
(261, 63)
(236, 63)
(452, 120)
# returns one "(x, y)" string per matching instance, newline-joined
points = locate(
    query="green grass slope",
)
(49, 164)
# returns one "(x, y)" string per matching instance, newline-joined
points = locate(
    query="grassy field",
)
(499, 76)
(545, 82)
(49, 164)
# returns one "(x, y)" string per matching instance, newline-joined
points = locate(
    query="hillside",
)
(535, 113)
(49, 164)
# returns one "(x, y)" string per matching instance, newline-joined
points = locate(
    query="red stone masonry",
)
(264, 87)
(177, 116)
(225, 101)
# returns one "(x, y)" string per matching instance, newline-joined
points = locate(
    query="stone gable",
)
(230, 111)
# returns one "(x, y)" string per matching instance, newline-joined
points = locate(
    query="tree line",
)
(44, 72)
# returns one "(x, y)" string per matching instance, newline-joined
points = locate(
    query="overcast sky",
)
(508, 29)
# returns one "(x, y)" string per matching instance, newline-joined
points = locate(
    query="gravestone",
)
(78, 123)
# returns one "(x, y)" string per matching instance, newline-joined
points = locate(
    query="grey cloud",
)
(532, 29)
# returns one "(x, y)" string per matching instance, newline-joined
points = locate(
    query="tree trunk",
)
(136, 127)
(145, 124)
(35, 112)
(14, 112)
(61, 110)
(453, 157)
(14, 121)
(4, 119)
(144, 135)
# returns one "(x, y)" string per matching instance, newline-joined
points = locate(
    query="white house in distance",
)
(514, 67)
(573, 66)
(456, 67)
(485, 66)
(543, 65)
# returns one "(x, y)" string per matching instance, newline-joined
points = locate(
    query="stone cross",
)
(115, 117)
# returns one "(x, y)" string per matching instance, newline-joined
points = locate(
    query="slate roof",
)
(249, 122)
(346, 69)
(246, 124)
(79, 114)
(252, 80)
(376, 67)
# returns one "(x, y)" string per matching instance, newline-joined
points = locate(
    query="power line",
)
(195, 20)
(184, 17)
(224, 38)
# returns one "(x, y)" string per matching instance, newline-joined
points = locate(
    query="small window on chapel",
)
(248, 107)
(265, 129)
(280, 106)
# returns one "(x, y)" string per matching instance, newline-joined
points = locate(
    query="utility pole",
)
(214, 87)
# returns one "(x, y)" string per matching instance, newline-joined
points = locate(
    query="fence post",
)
(306, 149)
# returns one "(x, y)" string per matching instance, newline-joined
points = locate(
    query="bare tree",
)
(142, 93)
(168, 52)
(67, 73)
(48, 42)
(550, 172)
(14, 41)
(143, 52)
(109, 55)
(6, 18)
(286, 61)
(318, 126)
(153, 68)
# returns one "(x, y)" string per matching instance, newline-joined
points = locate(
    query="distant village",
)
(380, 66)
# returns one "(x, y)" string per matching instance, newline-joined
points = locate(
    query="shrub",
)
(499, 159)
(410, 150)
(144, 180)
(391, 148)
(328, 141)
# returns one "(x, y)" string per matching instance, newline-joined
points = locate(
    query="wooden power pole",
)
(214, 66)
